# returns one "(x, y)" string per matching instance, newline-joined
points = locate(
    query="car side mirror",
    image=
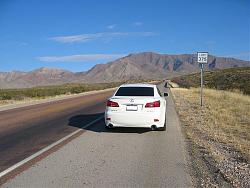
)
(165, 94)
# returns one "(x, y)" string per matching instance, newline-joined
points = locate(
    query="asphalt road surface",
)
(98, 157)
(26, 130)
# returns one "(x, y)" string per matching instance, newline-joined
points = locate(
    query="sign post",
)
(202, 59)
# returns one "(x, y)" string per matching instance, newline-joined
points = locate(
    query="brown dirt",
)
(218, 159)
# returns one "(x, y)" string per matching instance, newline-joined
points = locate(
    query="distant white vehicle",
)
(136, 105)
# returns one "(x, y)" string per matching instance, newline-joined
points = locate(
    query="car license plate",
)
(132, 108)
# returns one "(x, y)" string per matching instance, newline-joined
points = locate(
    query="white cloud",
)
(76, 38)
(95, 36)
(137, 24)
(111, 26)
(80, 57)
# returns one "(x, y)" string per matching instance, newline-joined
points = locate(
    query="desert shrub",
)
(48, 91)
(226, 79)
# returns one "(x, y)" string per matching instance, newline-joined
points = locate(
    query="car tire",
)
(162, 128)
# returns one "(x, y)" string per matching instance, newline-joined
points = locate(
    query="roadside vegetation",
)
(51, 91)
(233, 79)
(42, 92)
(218, 133)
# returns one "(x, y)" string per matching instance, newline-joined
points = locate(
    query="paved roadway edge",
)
(19, 164)
(189, 168)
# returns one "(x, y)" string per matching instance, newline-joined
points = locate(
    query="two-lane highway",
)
(26, 130)
(125, 157)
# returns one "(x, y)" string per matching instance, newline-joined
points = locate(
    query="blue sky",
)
(75, 35)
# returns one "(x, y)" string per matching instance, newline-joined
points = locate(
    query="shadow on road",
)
(82, 120)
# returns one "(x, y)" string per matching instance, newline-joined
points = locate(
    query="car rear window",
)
(135, 91)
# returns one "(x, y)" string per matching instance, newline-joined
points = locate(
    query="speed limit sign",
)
(202, 57)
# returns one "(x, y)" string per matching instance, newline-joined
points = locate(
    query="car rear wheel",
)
(110, 126)
(162, 128)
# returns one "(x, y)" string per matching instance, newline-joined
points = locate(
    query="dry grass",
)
(4, 102)
(221, 127)
(226, 116)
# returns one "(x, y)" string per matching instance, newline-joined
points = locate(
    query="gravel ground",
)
(216, 164)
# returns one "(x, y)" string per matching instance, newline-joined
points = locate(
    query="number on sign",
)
(202, 57)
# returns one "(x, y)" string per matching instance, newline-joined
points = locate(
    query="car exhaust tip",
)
(153, 127)
(110, 125)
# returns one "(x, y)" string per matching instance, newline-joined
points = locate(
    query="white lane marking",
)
(8, 170)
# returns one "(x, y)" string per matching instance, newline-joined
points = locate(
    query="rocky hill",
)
(147, 65)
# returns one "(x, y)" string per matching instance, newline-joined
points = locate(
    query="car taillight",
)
(153, 104)
(112, 104)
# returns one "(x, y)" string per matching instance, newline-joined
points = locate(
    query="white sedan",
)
(136, 105)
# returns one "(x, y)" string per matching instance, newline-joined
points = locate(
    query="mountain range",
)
(146, 65)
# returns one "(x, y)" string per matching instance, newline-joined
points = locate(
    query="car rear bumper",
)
(143, 120)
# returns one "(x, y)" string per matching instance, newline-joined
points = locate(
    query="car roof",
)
(137, 85)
